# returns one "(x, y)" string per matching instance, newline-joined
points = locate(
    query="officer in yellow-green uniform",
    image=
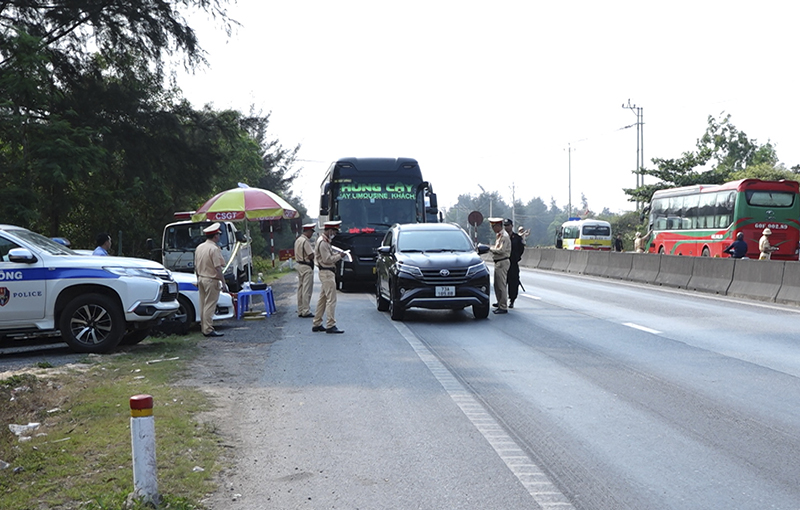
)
(501, 254)
(326, 258)
(304, 256)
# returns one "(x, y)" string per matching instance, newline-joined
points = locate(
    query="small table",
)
(244, 298)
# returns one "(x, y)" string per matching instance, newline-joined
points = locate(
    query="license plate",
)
(447, 291)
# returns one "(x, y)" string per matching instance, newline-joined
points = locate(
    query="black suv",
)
(431, 265)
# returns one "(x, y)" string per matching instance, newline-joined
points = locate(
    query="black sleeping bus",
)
(369, 195)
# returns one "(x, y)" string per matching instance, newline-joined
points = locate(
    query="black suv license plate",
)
(446, 291)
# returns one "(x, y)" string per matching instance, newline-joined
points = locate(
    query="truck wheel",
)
(92, 323)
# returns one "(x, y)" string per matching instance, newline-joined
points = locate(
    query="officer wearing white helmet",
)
(764, 245)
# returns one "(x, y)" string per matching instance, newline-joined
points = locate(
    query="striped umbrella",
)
(245, 203)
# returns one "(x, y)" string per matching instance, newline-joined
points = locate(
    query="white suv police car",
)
(95, 302)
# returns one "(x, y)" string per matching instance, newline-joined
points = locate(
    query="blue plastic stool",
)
(244, 301)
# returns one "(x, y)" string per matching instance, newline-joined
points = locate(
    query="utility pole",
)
(639, 112)
(569, 181)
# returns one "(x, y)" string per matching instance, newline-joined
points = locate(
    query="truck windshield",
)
(186, 237)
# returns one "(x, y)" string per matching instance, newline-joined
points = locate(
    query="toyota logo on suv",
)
(444, 272)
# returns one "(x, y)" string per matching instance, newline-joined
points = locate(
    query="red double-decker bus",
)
(703, 220)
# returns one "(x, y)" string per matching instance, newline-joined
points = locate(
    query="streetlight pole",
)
(639, 112)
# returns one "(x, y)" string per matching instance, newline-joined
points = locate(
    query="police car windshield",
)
(43, 243)
(433, 241)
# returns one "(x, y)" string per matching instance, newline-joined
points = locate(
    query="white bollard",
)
(143, 443)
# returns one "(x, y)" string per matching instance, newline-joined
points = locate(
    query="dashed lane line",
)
(641, 328)
(535, 481)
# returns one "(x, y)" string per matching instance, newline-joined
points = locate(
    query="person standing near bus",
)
(517, 249)
(501, 253)
(738, 248)
(764, 246)
(326, 261)
(304, 256)
(618, 247)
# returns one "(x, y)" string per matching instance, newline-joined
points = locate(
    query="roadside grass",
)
(80, 456)
(264, 266)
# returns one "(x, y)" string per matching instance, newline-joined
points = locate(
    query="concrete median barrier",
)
(597, 262)
(619, 265)
(561, 260)
(547, 258)
(531, 258)
(711, 275)
(757, 279)
(578, 261)
(790, 287)
(644, 268)
(675, 271)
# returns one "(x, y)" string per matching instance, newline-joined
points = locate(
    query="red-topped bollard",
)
(143, 444)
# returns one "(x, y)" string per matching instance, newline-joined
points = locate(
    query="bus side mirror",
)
(323, 205)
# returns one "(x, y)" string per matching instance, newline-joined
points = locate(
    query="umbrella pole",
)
(247, 239)
(271, 244)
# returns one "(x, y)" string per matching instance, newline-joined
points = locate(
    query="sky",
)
(522, 98)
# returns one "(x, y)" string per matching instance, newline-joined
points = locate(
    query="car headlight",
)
(131, 271)
(409, 269)
(476, 269)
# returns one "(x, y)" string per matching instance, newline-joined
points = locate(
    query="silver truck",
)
(182, 237)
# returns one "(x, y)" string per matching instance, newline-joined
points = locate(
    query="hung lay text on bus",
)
(369, 195)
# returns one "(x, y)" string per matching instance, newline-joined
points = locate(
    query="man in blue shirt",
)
(738, 249)
(103, 244)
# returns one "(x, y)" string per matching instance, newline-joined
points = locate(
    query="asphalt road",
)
(589, 394)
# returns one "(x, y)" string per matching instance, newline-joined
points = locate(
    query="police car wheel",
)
(92, 323)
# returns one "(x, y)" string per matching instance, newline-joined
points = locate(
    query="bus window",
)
(769, 198)
(708, 204)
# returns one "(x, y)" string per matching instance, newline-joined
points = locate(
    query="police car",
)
(189, 309)
(95, 302)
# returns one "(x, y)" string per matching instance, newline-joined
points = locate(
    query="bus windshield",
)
(770, 198)
(374, 204)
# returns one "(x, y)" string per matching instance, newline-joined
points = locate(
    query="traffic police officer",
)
(501, 252)
(326, 259)
(304, 256)
(208, 264)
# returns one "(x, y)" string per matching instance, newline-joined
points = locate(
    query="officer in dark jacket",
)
(738, 249)
(517, 249)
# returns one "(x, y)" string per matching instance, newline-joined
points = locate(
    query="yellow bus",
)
(588, 234)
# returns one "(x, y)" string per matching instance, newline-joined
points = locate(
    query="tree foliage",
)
(722, 154)
(91, 137)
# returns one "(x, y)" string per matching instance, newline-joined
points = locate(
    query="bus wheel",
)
(661, 251)
(706, 253)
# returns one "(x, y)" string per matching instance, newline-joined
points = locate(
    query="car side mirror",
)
(482, 248)
(384, 250)
(21, 256)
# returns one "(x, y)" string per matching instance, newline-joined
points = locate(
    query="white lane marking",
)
(531, 297)
(535, 481)
(641, 328)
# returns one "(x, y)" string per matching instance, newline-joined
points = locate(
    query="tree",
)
(722, 154)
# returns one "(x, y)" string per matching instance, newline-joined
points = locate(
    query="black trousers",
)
(513, 280)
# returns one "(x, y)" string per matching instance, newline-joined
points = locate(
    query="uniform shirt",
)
(302, 249)
(502, 246)
(100, 251)
(764, 246)
(323, 253)
(207, 258)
